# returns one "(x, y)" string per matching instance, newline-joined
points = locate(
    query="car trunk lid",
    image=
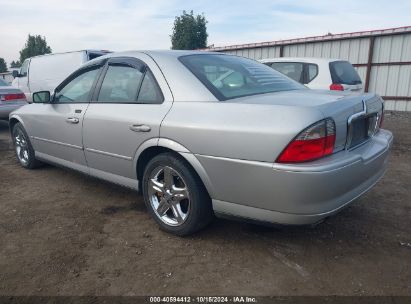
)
(354, 114)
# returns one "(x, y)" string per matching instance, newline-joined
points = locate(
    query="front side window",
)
(78, 89)
(24, 68)
(230, 77)
(3, 83)
(294, 70)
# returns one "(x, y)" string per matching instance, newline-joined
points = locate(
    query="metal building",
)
(381, 57)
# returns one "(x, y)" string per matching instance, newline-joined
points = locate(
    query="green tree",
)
(35, 45)
(189, 32)
(3, 65)
(15, 64)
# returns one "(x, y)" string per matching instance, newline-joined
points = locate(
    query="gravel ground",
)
(62, 233)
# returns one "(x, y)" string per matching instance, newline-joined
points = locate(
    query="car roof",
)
(157, 55)
(160, 53)
(301, 59)
(68, 52)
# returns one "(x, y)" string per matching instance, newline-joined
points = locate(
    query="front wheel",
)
(23, 148)
(175, 195)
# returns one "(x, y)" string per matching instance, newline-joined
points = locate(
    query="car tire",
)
(175, 196)
(23, 148)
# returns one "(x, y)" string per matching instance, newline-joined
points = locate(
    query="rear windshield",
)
(3, 84)
(344, 73)
(230, 77)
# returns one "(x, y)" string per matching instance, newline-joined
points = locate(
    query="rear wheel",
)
(23, 148)
(175, 195)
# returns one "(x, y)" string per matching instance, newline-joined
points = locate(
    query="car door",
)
(56, 127)
(130, 101)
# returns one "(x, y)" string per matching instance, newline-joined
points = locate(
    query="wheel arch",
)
(13, 121)
(151, 149)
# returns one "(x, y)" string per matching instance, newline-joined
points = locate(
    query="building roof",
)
(328, 37)
(301, 59)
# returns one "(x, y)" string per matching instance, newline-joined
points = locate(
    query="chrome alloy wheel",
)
(169, 196)
(22, 147)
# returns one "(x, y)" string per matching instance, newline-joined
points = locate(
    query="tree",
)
(15, 64)
(3, 65)
(189, 32)
(35, 45)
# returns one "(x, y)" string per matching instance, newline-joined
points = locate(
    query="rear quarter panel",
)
(231, 130)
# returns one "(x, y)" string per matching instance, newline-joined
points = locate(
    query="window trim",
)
(99, 65)
(131, 62)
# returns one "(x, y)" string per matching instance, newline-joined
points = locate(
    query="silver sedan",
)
(203, 134)
(10, 99)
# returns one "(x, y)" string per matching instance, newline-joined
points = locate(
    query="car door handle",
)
(140, 128)
(73, 120)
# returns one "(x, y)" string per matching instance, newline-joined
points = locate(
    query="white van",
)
(46, 72)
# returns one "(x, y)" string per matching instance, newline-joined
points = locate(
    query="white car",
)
(45, 72)
(318, 73)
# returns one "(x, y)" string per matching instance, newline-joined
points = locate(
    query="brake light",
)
(314, 142)
(15, 96)
(336, 87)
(381, 119)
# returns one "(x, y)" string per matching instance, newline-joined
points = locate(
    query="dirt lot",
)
(62, 233)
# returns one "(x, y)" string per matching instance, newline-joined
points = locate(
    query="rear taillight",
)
(14, 96)
(336, 87)
(314, 142)
(381, 119)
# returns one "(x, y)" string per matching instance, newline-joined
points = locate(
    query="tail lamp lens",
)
(313, 143)
(14, 96)
(381, 119)
(336, 87)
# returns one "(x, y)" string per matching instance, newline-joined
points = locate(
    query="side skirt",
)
(115, 179)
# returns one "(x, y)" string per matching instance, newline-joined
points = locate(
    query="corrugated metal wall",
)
(390, 64)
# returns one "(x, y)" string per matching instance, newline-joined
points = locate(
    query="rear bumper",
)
(297, 194)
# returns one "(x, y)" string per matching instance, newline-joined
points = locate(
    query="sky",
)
(120, 25)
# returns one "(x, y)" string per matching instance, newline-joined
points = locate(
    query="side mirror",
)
(15, 73)
(41, 97)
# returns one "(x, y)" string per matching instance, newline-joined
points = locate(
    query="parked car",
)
(10, 99)
(256, 145)
(319, 73)
(45, 72)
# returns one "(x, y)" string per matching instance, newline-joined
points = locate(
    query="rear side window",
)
(312, 72)
(126, 84)
(230, 77)
(294, 70)
(343, 72)
(120, 84)
(3, 84)
(149, 91)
